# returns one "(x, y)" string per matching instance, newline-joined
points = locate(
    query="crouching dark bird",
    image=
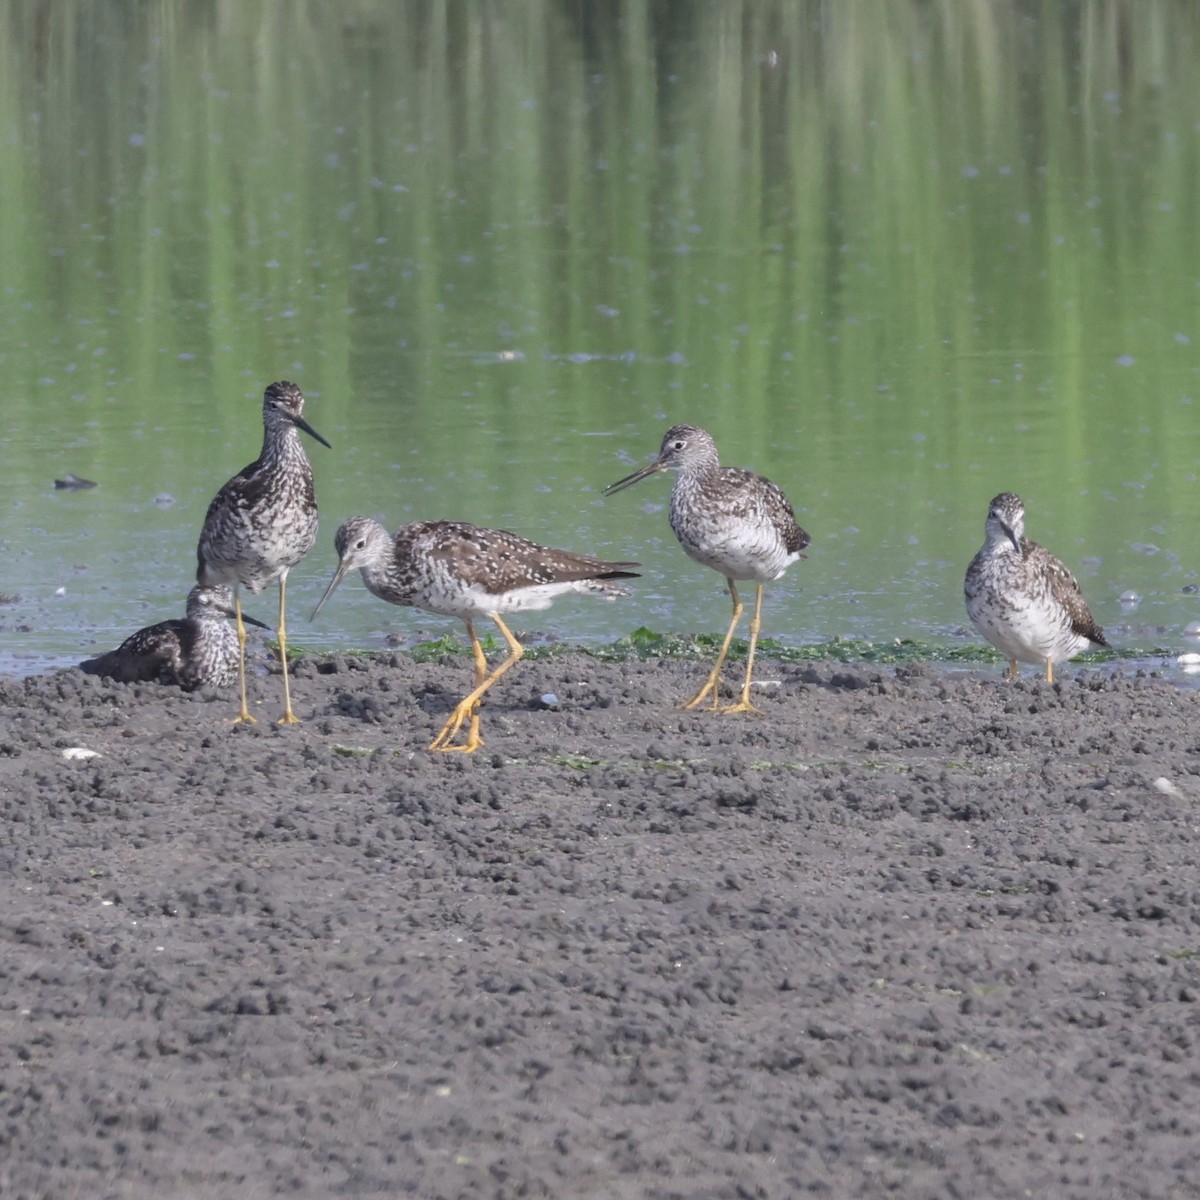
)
(199, 650)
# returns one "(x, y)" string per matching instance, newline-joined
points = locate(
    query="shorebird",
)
(198, 650)
(1022, 599)
(731, 520)
(263, 522)
(464, 571)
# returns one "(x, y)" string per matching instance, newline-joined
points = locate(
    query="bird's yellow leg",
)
(244, 715)
(712, 683)
(468, 706)
(452, 726)
(1011, 674)
(289, 717)
(744, 705)
(1049, 671)
(481, 667)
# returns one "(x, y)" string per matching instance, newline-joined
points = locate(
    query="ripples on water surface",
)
(898, 265)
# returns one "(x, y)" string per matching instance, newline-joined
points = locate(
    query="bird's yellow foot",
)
(467, 747)
(444, 740)
(742, 706)
(288, 718)
(244, 718)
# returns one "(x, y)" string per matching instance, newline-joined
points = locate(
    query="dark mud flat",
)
(904, 935)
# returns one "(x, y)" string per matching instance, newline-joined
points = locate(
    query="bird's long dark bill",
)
(338, 576)
(301, 423)
(641, 473)
(246, 618)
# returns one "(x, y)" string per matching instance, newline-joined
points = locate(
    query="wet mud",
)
(904, 933)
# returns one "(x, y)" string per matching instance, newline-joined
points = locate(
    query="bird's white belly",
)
(468, 603)
(252, 573)
(759, 558)
(246, 559)
(1030, 632)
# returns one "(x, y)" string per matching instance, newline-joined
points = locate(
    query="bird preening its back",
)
(729, 519)
(263, 521)
(467, 571)
(1024, 600)
(198, 650)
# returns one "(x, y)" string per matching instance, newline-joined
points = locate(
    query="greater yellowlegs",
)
(463, 571)
(731, 520)
(199, 650)
(1022, 599)
(263, 522)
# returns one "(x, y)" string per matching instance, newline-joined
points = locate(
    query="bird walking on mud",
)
(464, 571)
(199, 650)
(263, 522)
(731, 520)
(1022, 599)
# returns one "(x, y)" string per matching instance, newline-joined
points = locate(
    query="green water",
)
(898, 256)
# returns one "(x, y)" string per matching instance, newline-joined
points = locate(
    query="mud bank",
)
(904, 934)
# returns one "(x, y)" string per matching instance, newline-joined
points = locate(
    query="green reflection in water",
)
(898, 256)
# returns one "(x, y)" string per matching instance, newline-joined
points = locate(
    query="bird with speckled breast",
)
(198, 650)
(1024, 600)
(729, 519)
(263, 522)
(466, 571)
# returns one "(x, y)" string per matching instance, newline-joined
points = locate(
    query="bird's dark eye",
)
(360, 543)
(679, 445)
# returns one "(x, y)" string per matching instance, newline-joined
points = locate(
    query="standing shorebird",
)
(732, 520)
(1024, 600)
(198, 650)
(463, 571)
(263, 522)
